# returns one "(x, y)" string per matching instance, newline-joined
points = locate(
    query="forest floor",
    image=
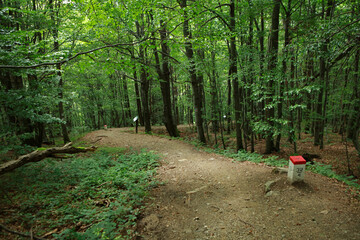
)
(209, 196)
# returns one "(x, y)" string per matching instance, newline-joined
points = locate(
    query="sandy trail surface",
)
(208, 196)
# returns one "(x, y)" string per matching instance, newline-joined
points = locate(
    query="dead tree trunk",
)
(37, 156)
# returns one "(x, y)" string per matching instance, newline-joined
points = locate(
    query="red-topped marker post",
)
(296, 171)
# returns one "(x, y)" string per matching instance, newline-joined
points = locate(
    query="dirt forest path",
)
(208, 196)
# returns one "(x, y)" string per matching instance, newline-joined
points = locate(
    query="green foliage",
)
(327, 171)
(78, 132)
(258, 158)
(8, 152)
(96, 197)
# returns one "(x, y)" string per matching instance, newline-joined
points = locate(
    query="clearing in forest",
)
(208, 196)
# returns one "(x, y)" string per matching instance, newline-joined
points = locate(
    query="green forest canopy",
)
(268, 68)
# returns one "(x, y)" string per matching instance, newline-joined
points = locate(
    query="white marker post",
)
(136, 120)
(105, 127)
(296, 171)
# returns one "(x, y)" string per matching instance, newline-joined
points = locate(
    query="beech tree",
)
(69, 65)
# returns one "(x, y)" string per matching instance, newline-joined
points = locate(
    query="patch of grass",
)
(78, 132)
(111, 150)
(258, 158)
(327, 171)
(97, 197)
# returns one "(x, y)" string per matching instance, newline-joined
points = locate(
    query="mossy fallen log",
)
(41, 154)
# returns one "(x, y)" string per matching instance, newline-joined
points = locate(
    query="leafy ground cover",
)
(90, 197)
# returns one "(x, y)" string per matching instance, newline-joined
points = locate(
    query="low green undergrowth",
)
(275, 161)
(96, 197)
(257, 158)
(327, 171)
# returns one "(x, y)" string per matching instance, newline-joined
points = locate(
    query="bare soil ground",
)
(208, 196)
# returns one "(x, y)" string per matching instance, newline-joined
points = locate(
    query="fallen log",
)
(38, 155)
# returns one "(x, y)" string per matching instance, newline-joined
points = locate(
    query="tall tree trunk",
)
(55, 17)
(195, 81)
(262, 60)
(126, 101)
(234, 77)
(229, 96)
(323, 77)
(286, 77)
(354, 120)
(145, 84)
(273, 51)
(145, 81)
(251, 73)
(174, 93)
(164, 75)
(214, 94)
(138, 99)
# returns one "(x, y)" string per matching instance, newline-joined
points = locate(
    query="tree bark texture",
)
(165, 77)
(272, 51)
(234, 76)
(195, 83)
(319, 124)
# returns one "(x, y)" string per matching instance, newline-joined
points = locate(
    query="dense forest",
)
(268, 69)
(242, 77)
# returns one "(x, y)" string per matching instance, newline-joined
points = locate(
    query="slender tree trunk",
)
(138, 99)
(273, 51)
(126, 101)
(251, 74)
(214, 94)
(322, 97)
(234, 77)
(195, 81)
(145, 84)
(164, 75)
(286, 54)
(354, 119)
(174, 93)
(145, 81)
(58, 68)
(262, 60)
(229, 95)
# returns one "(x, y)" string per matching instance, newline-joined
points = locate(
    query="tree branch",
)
(341, 29)
(338, 58)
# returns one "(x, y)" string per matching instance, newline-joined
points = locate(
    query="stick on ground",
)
(31, 236)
